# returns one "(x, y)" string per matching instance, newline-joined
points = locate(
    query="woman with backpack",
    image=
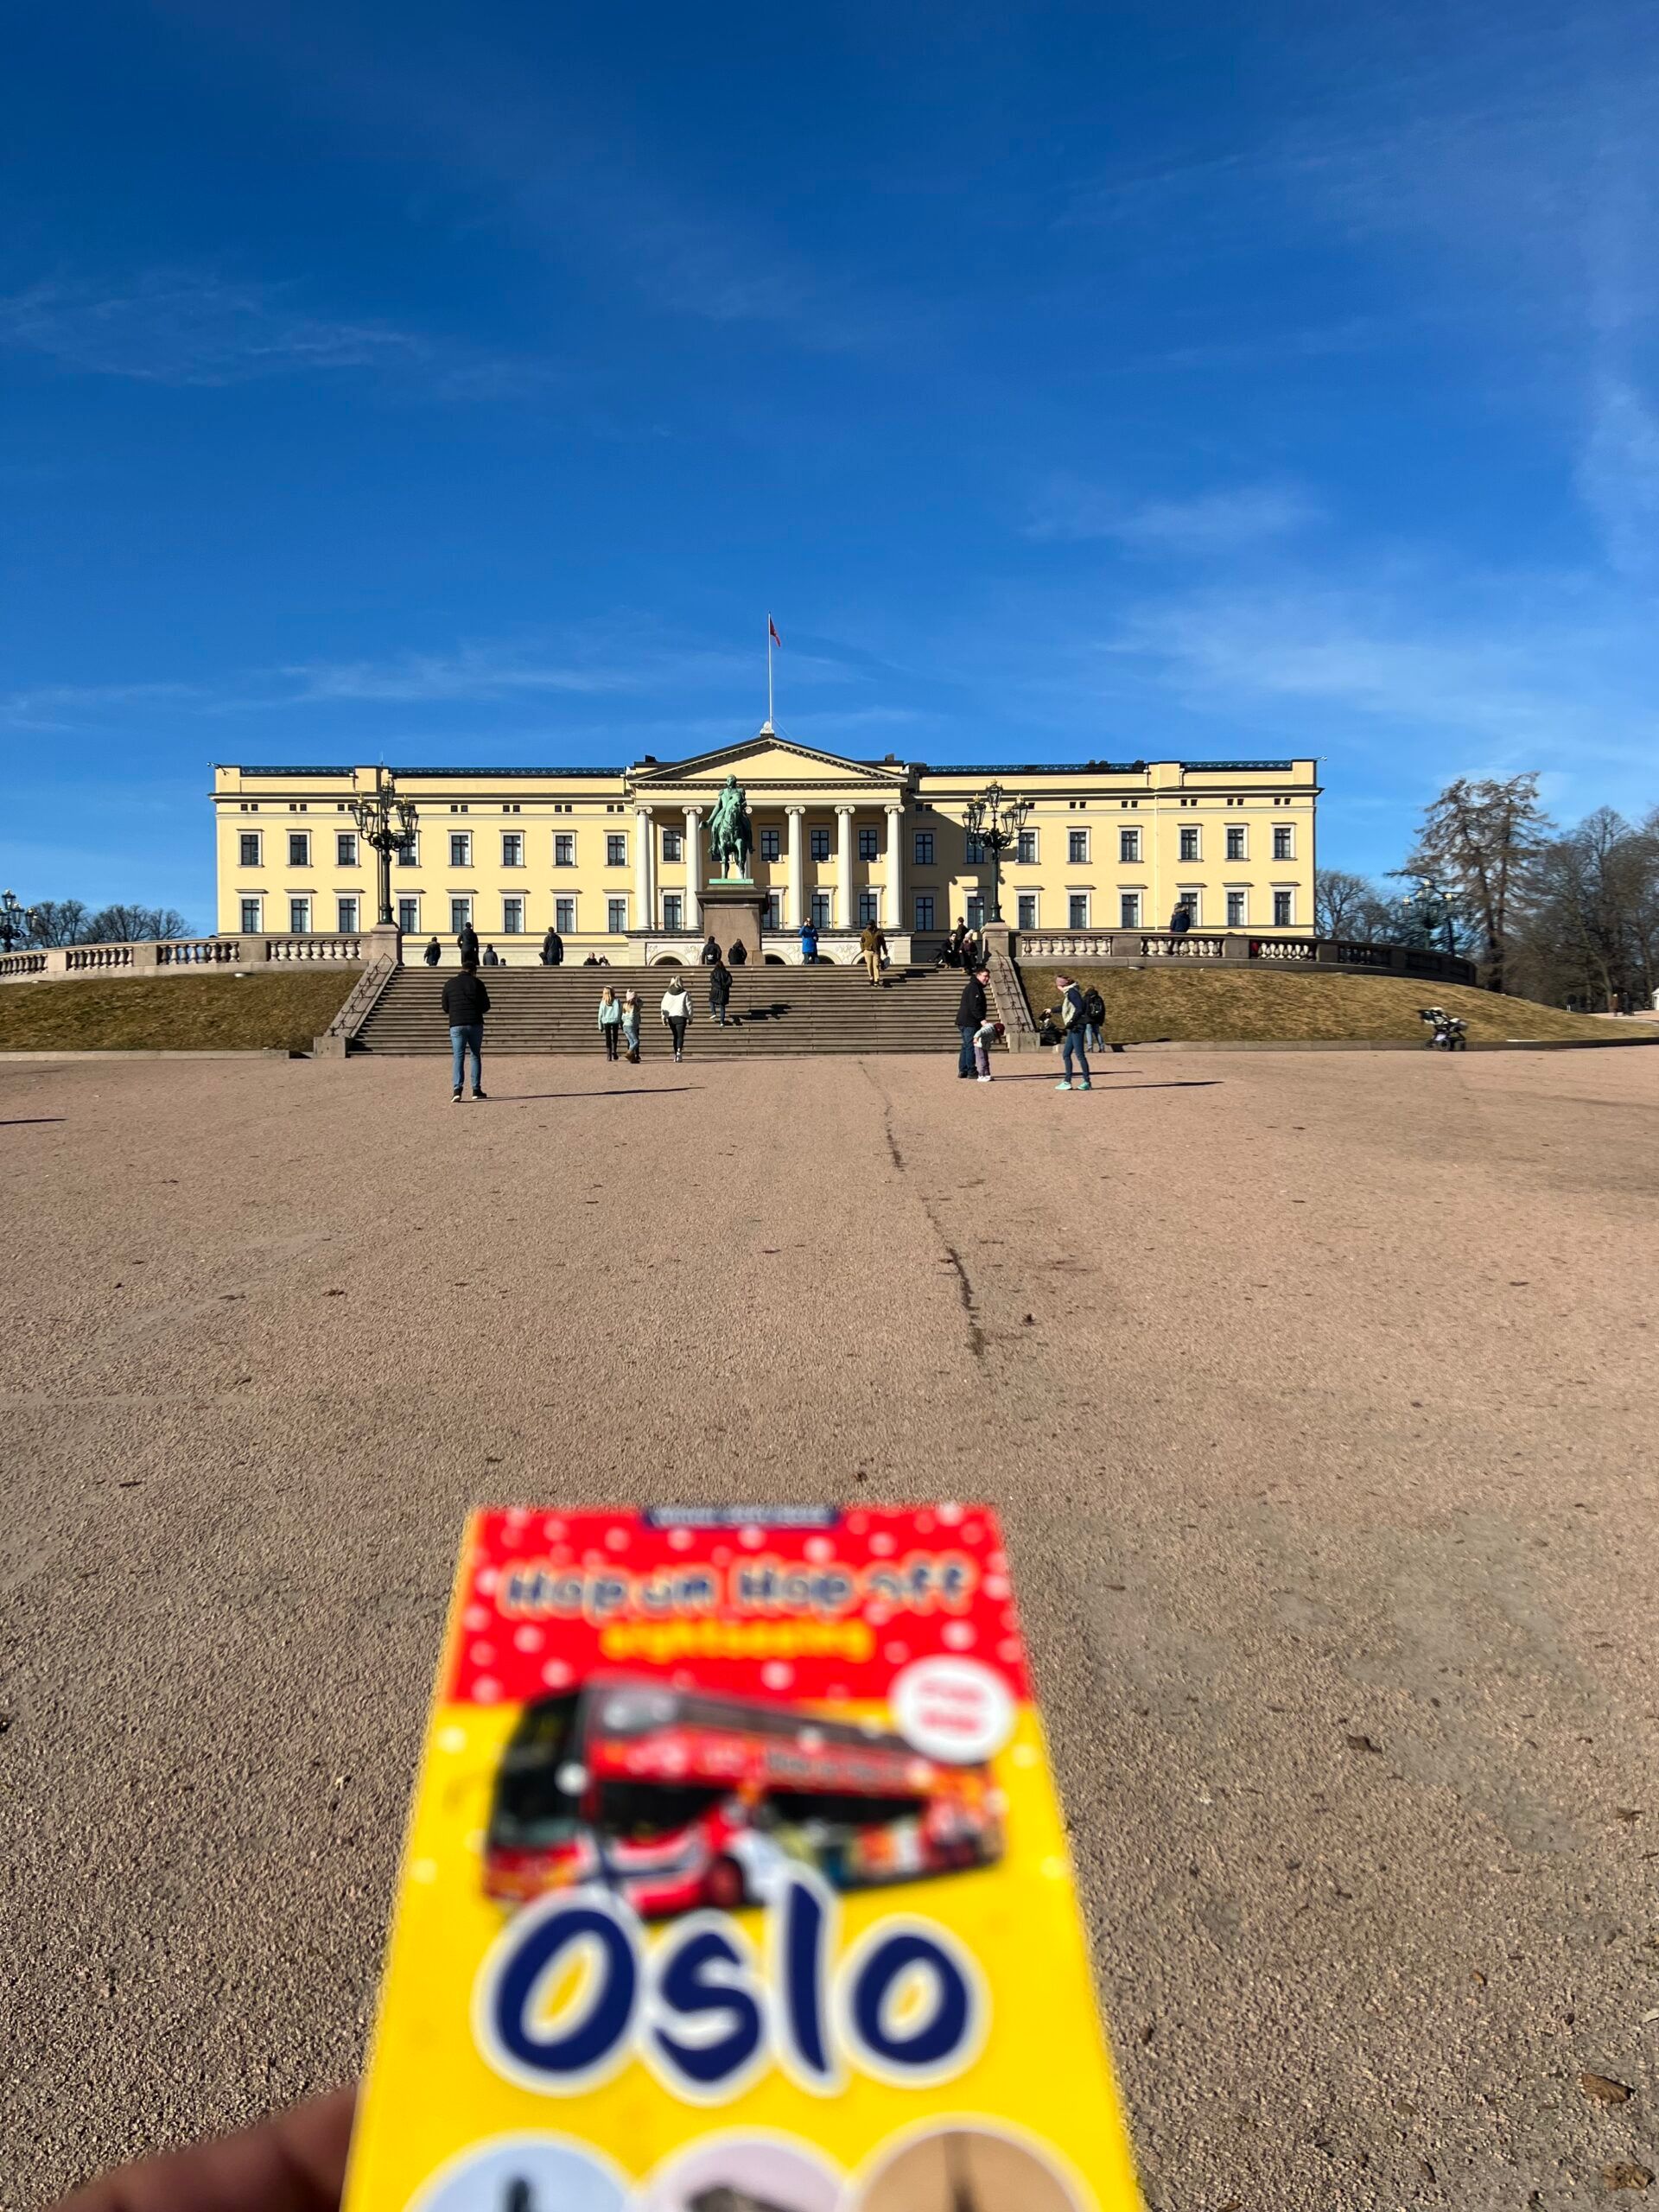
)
(1094, 1013)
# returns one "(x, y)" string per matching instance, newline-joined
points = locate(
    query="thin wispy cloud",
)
(1619, 476)
(196, 329)
(1222, 521)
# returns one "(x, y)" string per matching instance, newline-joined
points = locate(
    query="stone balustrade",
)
(1145, 948)
(190, 954)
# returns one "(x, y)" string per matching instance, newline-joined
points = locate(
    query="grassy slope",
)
(173, 1013)
(1287, 1007)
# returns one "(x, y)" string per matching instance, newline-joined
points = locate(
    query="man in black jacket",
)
(433, 954)
(552, 949)
(465, 1002)
(971, 1012)
(466, 943)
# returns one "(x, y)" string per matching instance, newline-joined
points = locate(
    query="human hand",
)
(293, 2162)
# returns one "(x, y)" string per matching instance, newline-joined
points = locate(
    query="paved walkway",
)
(1317, 1392)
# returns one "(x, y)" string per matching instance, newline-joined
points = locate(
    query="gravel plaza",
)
(1318, 1394)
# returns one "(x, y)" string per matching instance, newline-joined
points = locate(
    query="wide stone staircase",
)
(773, 1010)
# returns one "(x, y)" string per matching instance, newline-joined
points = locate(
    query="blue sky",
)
(465, 385)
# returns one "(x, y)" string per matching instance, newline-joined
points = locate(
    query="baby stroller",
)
(1448, 1032)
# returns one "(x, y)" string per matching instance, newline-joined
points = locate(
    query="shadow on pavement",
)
(32, 1120)
(537, 1097)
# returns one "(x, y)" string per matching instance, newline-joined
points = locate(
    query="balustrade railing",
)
(175, 955)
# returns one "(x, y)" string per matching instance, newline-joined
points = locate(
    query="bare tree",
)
(59, 921)
(1590, 927)
(124, 924)
(1477, 842)
(1350, 906)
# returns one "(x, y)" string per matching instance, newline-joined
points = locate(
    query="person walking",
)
(610, 1020)
(1094, 1013)
(972, 955)
(720, 991)
(433, 954)
(631, 1025)
(552, 949)
(710, 952)
(951, 955)
(1068, 1019)
(870, 946)
(971, 1012)
(491, 959)
(467, 942)
(809, 944)
(676, 1012)
(465, 1002)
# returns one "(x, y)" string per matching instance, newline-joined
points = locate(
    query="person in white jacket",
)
(676, 1012)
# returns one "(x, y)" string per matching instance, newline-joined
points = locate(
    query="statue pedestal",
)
(731, 915)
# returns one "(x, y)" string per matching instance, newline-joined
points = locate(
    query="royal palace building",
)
(615, 859)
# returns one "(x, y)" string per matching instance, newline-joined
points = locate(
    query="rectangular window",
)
(346, 916)
(616, 850)
(512, 849)
(1025, 851)
(1129, 845)
(973, 850)
(248, 847)
(460, 913)
(1237, 910)
(512, 918)
(1028, 910)
(868, 903)
(923, 845)
(924, 904)
(1077, 847)
(820, 910)
(1128, 911)
(1283, 844)
(975, 913)
(820, 843)
(299, 848)
(1192, 899)
(299, 916)
(771, 913)
(564, 916)
(1236, 842)
(408, 851)
(616, 916)
(461, 848)
(346, 848)
(869, 847)
(1189, 844)
(673, 844)
(564, 848)
(1076, 907)
(251, 922)
(1283, 902)
(673, 908)
(409, 916)
(769, 846)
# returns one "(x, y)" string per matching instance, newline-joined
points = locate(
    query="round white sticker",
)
(953, 1710)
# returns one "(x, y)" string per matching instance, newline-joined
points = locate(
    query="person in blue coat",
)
(809, 943)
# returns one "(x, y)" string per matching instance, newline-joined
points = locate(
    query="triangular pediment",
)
(767, 761)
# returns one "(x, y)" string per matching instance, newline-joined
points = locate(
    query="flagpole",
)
(769, 721)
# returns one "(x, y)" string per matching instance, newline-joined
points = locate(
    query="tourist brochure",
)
(736, 1882)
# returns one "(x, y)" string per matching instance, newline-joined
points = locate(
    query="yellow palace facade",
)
(615, 859)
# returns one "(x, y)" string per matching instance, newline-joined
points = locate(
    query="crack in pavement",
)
(965, 1292)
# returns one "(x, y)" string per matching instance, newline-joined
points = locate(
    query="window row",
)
(1132, 910)
(924, 846)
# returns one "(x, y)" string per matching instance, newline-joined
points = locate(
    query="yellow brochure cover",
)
(736, 1882)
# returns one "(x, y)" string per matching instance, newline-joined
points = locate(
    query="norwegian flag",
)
(771, 632)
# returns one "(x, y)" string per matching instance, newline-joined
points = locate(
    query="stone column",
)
(693, 868)
(895, 916)
(644, 860)
(795, 907)
(843, 868)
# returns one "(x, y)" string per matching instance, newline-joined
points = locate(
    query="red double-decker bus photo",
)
(676, 1800)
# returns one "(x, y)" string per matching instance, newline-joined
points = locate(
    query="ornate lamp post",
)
(1434, 911)
(15, 920)
(385, 822)
(995, 822)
